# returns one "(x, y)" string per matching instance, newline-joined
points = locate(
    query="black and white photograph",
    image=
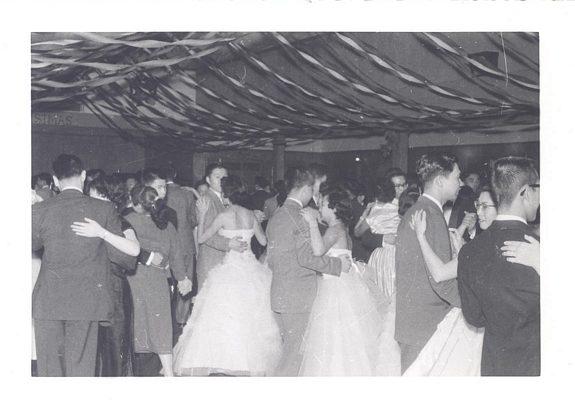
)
(217, 200)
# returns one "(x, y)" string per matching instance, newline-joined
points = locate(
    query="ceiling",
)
(220, 90)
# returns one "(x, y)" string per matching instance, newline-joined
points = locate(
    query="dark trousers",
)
(409, 354)
(115, 347)
(66, 348)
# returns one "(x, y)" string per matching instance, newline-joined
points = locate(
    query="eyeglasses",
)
(400, 185)
(483, 206)
(535, 186)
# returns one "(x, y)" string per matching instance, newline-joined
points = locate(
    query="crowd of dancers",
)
(137, 275)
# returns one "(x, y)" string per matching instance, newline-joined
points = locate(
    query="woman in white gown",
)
(345, 325)
(232, 329)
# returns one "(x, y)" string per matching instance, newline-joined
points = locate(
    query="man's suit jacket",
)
(291, 259)
(184, 203)
(503, 297)
(421, 302)
(74, 277)
(212, 251)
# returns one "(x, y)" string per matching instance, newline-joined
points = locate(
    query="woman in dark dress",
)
(150, 290)
(115, 349)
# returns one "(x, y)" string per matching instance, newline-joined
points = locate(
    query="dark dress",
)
(115, 347)
(150, 289)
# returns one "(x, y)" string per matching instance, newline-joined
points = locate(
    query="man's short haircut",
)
(509, 175)
(67, 166)
(210, 168)
(297, 178)
(394, 172)
(431, 165)
(170, 172)
(150, 175)
(317, 170)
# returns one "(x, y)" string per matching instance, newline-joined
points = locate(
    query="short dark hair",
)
(353, 187)
(393, 172)
(298, 177)
(465, 174)
(431, 165)
(487, 189)
(234, 190)
(317, 170)
(261, 181)
(385, 190)
(210, 168)
(67, 166)
(509, 175)
(99, 185)
(406, 200)
(45, 177)
(150, 175)
(339, 201)
(170, 172)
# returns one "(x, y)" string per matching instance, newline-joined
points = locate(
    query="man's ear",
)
(438, 180)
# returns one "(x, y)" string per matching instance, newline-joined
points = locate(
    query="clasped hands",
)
(185, 286)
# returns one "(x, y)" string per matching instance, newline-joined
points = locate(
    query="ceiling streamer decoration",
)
(252, 88)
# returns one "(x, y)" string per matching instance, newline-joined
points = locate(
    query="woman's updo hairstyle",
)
(234, 190)
(147, 198)
(385, 190)
(338, 200)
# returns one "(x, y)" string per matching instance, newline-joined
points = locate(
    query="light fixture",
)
(357, 159)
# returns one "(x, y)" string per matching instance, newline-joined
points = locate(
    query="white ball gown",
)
(346, 330)
(232, 329)
(453, 350)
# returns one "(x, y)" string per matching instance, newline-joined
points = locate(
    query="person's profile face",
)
(472, 181)
(160, 186)
(316, 185)
(215, 179)
(452, 183)
(533, 201)
(327, 214)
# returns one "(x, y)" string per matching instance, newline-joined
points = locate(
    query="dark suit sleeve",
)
(114, 226)
(176, 255)
(306, 258)
(469, 302)
(192, 210)
(37, 242)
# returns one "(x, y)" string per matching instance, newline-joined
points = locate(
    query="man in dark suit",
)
(422, 303)
(499, 295)
(71, 294)
(295, 268)
(184, 204)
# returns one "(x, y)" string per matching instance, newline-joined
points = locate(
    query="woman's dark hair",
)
(384, 190)
(147, 198)
(234, 190)
(407, 199)
(338, 200)
(487, 188)
(117, 190)
(99, 185)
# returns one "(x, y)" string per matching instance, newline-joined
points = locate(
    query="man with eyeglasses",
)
(497, 294)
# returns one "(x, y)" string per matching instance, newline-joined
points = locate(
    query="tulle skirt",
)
(232, 329)
(453, 350)
(345, 325)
